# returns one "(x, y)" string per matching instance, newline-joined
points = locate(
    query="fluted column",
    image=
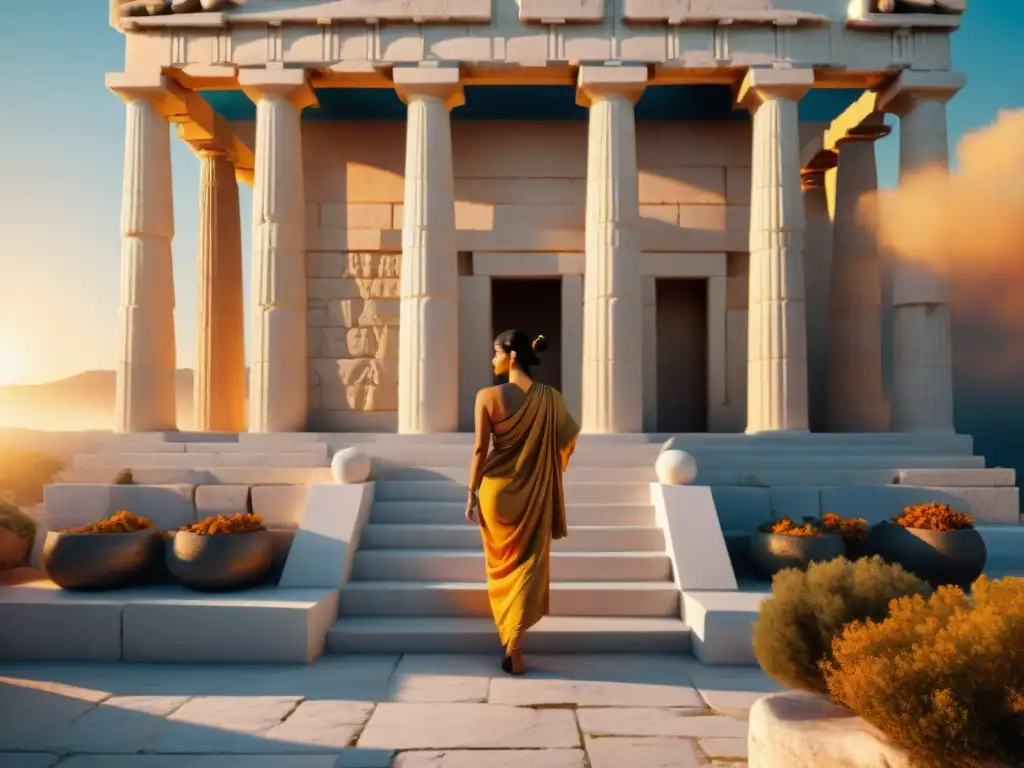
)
(777, 335)
(220, 373)
(278, 397)
(817, 274)
(854, 399)
(147, 358)
(428, 331)
(612, 380)
(922, 387)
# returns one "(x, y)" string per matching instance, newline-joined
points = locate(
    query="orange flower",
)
(934, 517)
(121, 521)
(217, 525)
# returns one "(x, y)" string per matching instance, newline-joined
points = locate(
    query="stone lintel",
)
(595, 81)
(916, 86)
(443, 83)
(761, 84)
(291, 84)
(153, 87)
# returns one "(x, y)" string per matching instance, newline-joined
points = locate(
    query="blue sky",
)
(61, 157)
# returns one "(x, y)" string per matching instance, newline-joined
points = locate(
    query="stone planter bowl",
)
(219, 562)
(939, 557)
(770, 553)
(87, 561)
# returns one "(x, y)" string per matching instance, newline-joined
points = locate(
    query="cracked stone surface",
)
(387, 711)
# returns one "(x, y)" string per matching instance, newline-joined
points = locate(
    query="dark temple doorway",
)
(681, 322)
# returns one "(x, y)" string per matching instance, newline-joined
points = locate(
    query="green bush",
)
(807, 610)
(942, 678)
(24, 473)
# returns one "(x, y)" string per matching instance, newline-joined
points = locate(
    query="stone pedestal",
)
(854, 396)
(147, 354)
(777, 335)
(612, 378)
(219, 400)
(428, 332)
(922, 388)
(817, 277)
(278, 396)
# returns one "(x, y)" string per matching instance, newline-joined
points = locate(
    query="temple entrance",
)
(681, 312)
(533, 305)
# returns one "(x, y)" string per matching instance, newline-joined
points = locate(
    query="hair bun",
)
(540, 345)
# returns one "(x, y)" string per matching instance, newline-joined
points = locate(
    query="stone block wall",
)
(353, 339)
(520, 187)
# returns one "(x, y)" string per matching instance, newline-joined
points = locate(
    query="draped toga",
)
(522, 509)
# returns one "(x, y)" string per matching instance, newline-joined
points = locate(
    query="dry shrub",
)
(24, 473)
(786, 527)
(123, 477)
(17, 534)
(122, 521)
(942, 677)
(224, 524)
(808, 609)
(850, 528)
(934, 517)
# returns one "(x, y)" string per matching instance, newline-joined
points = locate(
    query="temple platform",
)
(390, 566)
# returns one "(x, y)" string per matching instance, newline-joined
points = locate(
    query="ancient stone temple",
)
(667, 189)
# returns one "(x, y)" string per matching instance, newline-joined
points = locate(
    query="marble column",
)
(428, 331)
(147, 358)
(612, 379)
(817, 276)
(219, 399)
(278, 375)
(854, 396)
(777, 333)
(922, 387)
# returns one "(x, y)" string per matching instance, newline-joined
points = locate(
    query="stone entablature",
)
(674, 35)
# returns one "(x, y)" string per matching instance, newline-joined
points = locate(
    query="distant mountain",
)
(83, 401)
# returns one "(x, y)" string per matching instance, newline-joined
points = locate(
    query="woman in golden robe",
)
(515, 488)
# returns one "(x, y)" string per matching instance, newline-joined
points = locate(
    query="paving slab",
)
(647, 721)
(332, 724)
(206, 761)
(451, 679)
(660, 752)
(119, 724)
(493, 758)
(600, 681)
(719, 748)
(468, 726)
(224, 724)
(34, 710)
(732, 690)
(27, 759)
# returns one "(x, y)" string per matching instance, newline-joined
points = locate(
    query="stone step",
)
(117, 461)
(204, 476)
(552, 634)
(581, 538)
(446, 599)
(385, 470)
(734, 458)
(208, 447)
(453, 491)
(413, 565)
(412, 512)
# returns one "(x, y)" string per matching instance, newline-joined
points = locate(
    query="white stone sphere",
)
(350, 466)
(675, 468)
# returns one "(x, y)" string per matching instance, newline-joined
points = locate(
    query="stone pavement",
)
(369, 711)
